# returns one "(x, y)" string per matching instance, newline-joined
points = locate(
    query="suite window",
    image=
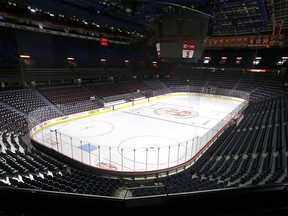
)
(282, 60)
(257, 60)
(238, 60)
(207, 60)
(223, 60)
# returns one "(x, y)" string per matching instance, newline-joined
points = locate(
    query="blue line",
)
(165, 120)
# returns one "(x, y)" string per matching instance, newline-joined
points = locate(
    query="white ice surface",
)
(143, 137)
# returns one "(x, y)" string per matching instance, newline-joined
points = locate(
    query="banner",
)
(188, 49)
(277, 27)
(243, 41)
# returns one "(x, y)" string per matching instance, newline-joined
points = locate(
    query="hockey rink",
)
(150, 136)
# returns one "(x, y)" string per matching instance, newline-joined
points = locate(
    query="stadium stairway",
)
(49, 103)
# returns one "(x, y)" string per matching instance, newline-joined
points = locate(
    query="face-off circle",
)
(177, 112)
(89, 129)
(156, 149)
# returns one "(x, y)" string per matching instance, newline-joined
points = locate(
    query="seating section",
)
(269, 87)
(34, 72)
(225, 79)
(109, 91)
(71, 99)
(147, 191)
(252, 152)
(74, 181)
(21, 101)
(11, 120)
(157, 86)
(90, 72)
(7, 72)
(187, 76)
(260, 85)
(34, 169)
(137, 88)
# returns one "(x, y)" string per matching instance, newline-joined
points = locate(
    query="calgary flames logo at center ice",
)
(176, 112)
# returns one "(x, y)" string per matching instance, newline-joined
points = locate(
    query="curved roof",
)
(136, 18)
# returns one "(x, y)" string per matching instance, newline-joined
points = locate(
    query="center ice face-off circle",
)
(176, 112)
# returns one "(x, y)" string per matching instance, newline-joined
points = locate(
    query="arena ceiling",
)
(136, 18)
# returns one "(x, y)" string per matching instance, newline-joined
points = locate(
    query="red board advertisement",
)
(188, 49)
(104, 42)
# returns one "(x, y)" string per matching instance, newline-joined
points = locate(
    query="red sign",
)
(104, 42)
(188, 49)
